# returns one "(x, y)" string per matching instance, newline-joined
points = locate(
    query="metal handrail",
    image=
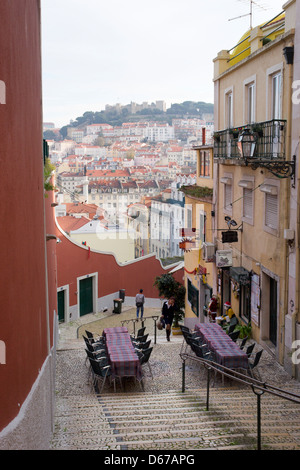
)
(258, 387)
(142, 320)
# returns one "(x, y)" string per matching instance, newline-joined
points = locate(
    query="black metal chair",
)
(250, 349)
(139, 340)
(145, 345)
(234, 336)
(243, 342)
(93, 346)
(231, 329)
(100, 373)
(141, 332)
(144, 359)
(254, 364)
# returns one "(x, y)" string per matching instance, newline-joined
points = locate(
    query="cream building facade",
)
(254, 180)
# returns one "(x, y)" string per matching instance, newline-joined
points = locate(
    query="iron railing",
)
(140, 322)
(269, 136)
(258, 387)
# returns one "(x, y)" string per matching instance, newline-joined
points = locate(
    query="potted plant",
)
(168, 287)
(216, 137)
(257, 129)
(245, 330)
(234, 133)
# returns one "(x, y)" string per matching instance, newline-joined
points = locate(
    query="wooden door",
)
(86, 296)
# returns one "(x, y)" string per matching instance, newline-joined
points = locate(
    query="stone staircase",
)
(175, 421)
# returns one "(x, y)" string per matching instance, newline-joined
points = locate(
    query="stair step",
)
(176, 421)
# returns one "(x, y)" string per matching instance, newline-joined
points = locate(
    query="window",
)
(202, 219)
(276, 96)
(271, 211)
(204, 166)
(248, 199)
(228, 197)
(193, 298)
(227, 206)
(251, 103)
(229, 109)
(274, 92)
(189, 214)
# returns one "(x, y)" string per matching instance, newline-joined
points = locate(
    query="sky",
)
(97, 52)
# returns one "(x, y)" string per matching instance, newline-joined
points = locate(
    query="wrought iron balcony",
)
(269, 141)
(258, 145)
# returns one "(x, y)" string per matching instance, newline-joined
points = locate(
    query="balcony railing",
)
(269, 137)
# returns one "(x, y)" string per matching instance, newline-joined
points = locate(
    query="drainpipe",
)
(289, 56)
(286, 212)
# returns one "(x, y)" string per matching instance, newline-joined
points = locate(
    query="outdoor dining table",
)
(115, 329)
(122, 356)
(227, 352)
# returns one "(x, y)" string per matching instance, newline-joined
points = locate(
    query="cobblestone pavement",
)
(73, 385)
(165, 358)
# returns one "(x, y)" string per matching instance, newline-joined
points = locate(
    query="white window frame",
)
(228, 108)
(250, 100)
(247, 184)
(227, 181)
(271, 189)
(273, 72)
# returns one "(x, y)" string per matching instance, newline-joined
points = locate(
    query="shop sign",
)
(223, 258)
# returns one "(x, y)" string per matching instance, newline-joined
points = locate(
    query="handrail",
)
(258, 387)
(137, 320)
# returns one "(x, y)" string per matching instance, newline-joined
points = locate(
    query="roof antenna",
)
(251, 3)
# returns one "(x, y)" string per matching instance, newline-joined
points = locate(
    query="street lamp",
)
(246, 144)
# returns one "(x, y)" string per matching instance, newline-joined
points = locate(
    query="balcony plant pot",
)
(176, 330)
(234, 133)
(257, 130)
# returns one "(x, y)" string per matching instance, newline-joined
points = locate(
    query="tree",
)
(168, 287)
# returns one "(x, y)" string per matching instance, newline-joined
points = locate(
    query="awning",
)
(240, 275)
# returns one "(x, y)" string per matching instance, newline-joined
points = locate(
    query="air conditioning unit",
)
(208, 252)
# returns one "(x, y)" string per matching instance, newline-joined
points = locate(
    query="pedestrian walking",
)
(139, 302)
(167, 312)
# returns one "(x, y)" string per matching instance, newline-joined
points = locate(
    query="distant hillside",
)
(187, 109)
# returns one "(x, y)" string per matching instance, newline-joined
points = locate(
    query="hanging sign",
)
(223, 258)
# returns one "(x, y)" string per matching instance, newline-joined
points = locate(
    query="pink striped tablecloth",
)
(227, 352)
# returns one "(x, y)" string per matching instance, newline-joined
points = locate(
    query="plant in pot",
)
(245, 330)
(168, 287)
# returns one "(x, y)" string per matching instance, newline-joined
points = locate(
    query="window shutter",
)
(271, 211)
(248, 203)
(228, 192)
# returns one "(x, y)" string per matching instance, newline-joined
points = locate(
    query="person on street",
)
(139, 302)
(168, 309)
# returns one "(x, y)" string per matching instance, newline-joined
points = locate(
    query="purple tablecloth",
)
(227, 352)
(122, 356)
(116, 329)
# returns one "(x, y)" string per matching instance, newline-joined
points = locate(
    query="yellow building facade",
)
(197, 237)
(253, 178)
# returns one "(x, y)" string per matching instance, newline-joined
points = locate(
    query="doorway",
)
(61, 306)
(273, 311)
(85, 296)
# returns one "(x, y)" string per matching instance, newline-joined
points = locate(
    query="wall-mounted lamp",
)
(246, 144)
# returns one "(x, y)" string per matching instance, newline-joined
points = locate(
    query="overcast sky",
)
(98, 52)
